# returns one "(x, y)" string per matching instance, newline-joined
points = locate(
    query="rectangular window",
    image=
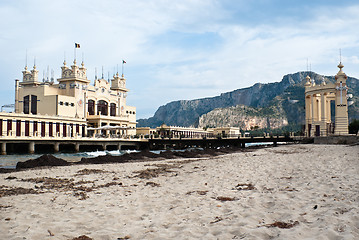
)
(18, 128)
(77, 129)
(9, 126)
(113, 109)
(83, 130)
(0, 127)
(50, 129)
(57, 128)
(35, 127)
(26, 104)
(33, 104)
(64, 130)
(91, 107)
(43, 129)
(27, 128)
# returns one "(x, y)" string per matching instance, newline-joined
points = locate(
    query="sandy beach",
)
(286, 192)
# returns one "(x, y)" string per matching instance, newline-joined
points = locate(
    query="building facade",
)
(318, 99)
(71, 107)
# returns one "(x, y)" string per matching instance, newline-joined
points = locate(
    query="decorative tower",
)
(341, 106)
(308, 108)
(30, 77)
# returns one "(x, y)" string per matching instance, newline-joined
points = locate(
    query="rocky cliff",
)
(288, 95)
(247, 118)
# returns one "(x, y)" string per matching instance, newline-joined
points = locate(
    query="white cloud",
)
(175, 49)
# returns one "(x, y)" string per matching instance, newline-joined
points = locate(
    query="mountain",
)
(287, 95)
(244, 117)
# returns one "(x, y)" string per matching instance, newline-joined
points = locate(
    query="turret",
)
(30, 77)
(118, 83)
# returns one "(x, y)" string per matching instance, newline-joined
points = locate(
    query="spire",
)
(340, 66)
(52, 75)
(102, 73)
(34, 63)
(82, 64)
(64, 58)
(26, 61)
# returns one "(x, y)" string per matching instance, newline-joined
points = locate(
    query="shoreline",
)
(288, 192)
(49, 160)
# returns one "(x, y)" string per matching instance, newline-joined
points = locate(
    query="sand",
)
(286, 192)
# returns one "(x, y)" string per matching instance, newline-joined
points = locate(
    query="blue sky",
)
(179, 49)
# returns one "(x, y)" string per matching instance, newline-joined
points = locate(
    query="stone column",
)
(56, 147)
(323, 120)
(3, 148)
(119, 145)
(32, 147)
(77, 147)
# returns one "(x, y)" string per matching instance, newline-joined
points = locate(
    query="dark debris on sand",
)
(9, 191)
(44, 160)
(283, 224)
(83, 237)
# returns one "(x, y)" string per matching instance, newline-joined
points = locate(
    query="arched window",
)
(102, 106)
(91, 107)
(26, 103)
(113, 109)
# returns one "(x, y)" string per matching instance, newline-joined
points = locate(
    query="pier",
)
(182, 143)
(68, 145)
(73, 144)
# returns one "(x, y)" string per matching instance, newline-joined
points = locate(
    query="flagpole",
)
(75, 54)
(122, 67)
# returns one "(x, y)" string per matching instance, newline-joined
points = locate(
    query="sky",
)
(178, 49)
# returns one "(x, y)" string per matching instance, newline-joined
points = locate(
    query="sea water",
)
(10, 161)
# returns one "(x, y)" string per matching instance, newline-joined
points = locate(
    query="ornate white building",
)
(73, 107)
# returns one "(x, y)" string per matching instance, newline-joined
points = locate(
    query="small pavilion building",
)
(318, 99)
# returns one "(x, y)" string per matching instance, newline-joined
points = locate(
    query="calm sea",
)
(9, 161)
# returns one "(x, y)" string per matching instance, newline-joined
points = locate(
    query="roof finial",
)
(64, 58)
(34, 62)
(26, 60)
(102, 73)
(95, 73)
